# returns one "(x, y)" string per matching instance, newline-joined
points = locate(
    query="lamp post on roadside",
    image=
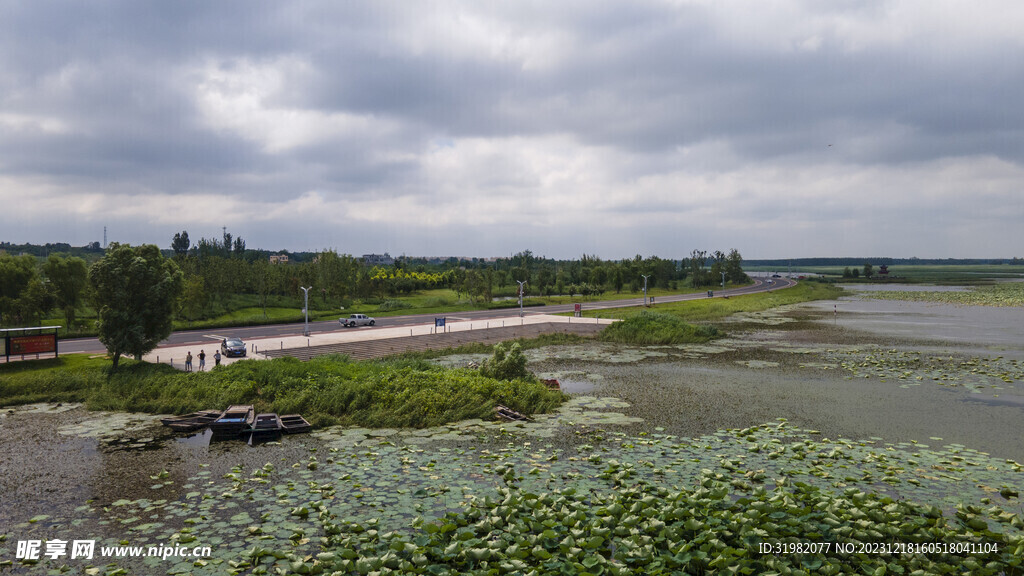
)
(305, 309)
(723, 280)
(645, 288)
(521, 284)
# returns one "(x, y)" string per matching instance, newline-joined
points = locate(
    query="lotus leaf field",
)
(570, 494)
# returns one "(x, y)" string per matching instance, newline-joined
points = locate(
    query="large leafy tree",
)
(16, 273)
(734, 268)
(68, 278)
(136, 290)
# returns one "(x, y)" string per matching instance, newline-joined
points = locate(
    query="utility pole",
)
(305, 309)
(521, 284)
(645, 288)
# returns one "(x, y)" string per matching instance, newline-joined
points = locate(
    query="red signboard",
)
(33, 344)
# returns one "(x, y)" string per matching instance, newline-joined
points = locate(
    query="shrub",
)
(654, 328)
(506, 364)
(389, 305)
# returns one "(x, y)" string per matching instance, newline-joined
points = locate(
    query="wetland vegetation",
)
(328, 390)
(1004, 294)
(668, 458)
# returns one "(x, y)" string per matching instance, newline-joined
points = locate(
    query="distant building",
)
(883, 269)
(384, 259)
(278, 258)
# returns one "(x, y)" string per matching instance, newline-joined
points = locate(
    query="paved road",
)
(213, 335)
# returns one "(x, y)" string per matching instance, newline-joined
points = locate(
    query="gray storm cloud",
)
(795, 129)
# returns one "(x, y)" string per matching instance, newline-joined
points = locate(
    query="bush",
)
(654, 328)
(389, 305)
(506, 364)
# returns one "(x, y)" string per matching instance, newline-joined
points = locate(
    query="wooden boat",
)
(552, 383)
(191, 422)
(294, 424)
(506, 413)
(234, 420)
(265, 425)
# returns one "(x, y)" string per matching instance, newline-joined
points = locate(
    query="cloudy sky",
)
(783, 128)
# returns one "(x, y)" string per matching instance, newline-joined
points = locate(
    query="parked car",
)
(357, 320)
(232, 347)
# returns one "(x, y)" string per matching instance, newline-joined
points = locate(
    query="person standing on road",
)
(202, 360)
(216, 358)
(188, 362)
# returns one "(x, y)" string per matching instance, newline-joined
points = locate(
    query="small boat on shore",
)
(294, 424)
(506, 413)
(191, 422)
(552, 383)
(234, 420)
(265, 425)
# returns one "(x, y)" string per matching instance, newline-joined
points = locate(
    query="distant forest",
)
(94, 251)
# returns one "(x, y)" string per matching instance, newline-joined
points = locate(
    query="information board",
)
(3, 346)
(33, 344)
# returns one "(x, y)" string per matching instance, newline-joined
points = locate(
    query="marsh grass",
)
(327, 390)
(657, 328)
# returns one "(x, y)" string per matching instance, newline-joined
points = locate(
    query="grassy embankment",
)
(327, 390)
(711, 309)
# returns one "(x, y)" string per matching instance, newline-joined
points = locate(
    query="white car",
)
(357, 320)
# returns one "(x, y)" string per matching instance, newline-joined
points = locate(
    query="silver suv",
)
(357, 320)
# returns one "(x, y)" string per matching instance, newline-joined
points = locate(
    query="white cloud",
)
(251, 99)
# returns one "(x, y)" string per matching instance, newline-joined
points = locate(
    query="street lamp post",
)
(723, 280)
(521, 284)
(645, 288)
(305, 309)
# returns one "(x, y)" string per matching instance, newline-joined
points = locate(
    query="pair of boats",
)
(238, 420)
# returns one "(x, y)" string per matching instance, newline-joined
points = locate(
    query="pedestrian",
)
(202, 360)
(188, 362)
(216, 358)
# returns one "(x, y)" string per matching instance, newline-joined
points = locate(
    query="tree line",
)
(214, 272)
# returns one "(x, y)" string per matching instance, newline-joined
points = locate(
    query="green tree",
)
(68, 279)
(180, 244)
(869, 271)
(734, 268)
(136, 291)
(36, 300)
(698, 275)
(193, 298)
(16, 272)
